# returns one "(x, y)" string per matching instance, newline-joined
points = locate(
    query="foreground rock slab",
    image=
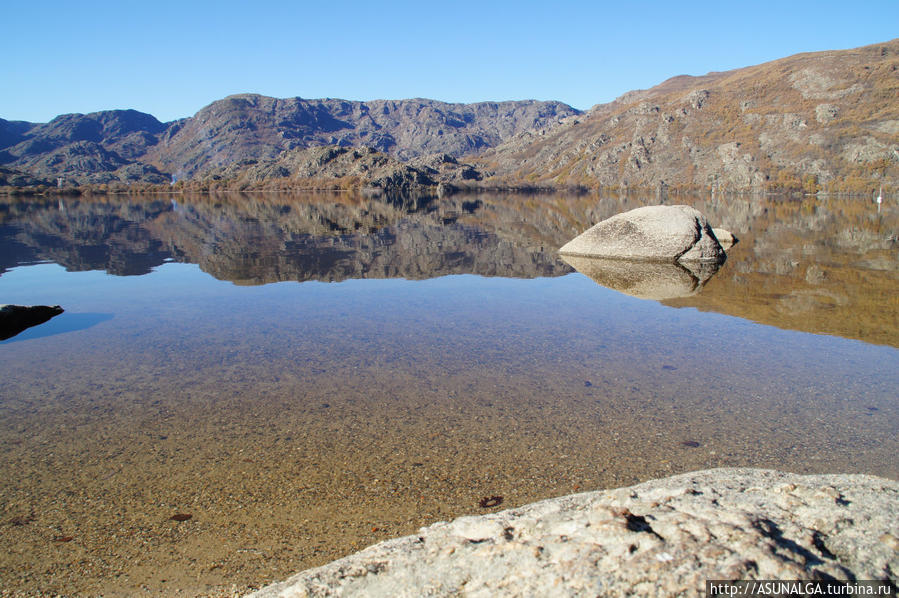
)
(657, 233)
(18, 318)
(660, 538)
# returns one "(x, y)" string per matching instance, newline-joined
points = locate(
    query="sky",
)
(172, 58)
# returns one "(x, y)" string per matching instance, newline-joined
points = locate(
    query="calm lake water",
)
(307, 375)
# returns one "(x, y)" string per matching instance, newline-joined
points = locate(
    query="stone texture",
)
(660, 538)
(826, 113)
(657, 233)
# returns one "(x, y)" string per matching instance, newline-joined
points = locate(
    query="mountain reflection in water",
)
(817, 265)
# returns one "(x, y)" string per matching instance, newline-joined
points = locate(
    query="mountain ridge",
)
(251, 126)
(816, 121)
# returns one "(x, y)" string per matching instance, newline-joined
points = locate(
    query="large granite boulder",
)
(17, 318)
(656, 233)
(660, 538)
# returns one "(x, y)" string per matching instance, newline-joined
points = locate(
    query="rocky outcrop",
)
(13, 132)
(18, 318)
(87, 162)
(659, 538)
(653, 233)
(371, 168)
(14, 178)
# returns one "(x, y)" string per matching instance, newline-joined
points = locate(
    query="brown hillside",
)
(810, 122)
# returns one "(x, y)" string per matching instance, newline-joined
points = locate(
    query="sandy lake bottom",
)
(296, 422)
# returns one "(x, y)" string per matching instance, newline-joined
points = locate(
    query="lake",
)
(308, 375)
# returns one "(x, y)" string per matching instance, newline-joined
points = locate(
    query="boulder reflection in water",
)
(645, 279)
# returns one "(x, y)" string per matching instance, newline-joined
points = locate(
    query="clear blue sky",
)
(172, 58)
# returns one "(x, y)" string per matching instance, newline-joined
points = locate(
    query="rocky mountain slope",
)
(254, 126)
(345, 166)
(811, 122)
(825, 120)
(13, 131)
(83, 148)
(130, 146)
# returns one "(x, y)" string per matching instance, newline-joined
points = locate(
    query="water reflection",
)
(272, 239)
(300, 422)
(643, 279)
(819, 265)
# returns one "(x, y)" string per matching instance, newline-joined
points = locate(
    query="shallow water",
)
(453, 358)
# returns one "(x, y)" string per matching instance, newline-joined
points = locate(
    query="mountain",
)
(130, 146)
(824, 120)
(253, 126)
(97, 148)
(12, 132)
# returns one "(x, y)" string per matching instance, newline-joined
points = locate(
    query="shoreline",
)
(664, 536)
(432, 191)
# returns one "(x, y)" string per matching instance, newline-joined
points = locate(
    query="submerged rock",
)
(643, 279)
(660, 538)
(654, 233)
(17, 318)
